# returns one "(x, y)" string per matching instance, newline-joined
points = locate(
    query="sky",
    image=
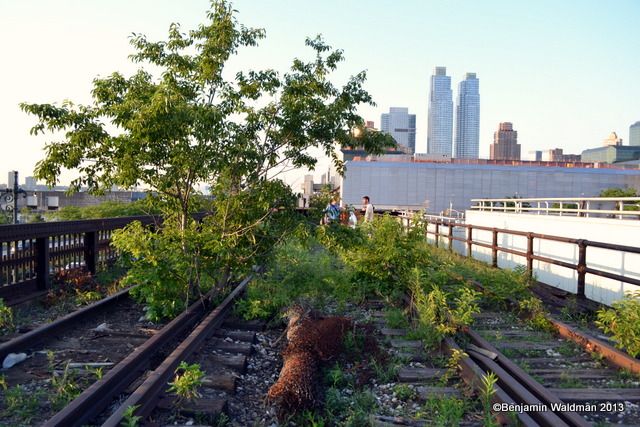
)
(564, 73)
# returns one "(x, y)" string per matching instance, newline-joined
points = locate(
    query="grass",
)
(396, 318)
(443, 411)
(404, 392)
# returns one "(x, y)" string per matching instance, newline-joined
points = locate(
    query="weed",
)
(487, 390)
(384, 373)
(65, 389)
(187, 381)
(87, 297)
(536, 315)
(20, 403)
(353, 342)
(453, 365)
(443, 411)
(404, 392)
(567, 348)
(3, 383)
(568, 381)
(98, 372)
(336, 377)
(129, 419)
(6, 317)
(334, 403)
(622, 321)
(396, 318)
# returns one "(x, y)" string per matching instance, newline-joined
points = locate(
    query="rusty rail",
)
(95, 399)
(32, 338)
(145, 397)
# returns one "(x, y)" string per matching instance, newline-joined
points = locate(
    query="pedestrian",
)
(367, 209)
(332, 211)
(353, 220)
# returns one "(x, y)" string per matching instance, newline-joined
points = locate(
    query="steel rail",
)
(32, 338)
(146, 396)
(472, 374)
(528, 390)
(100, 394)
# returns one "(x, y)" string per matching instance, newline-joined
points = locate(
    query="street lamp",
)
(10, 197)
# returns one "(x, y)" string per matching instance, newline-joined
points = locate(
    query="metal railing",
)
(580, 267)
(608, 207)
(31, 253)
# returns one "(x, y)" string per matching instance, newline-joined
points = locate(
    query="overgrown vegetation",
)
(622, 321)
(182, 123)
(6, 317)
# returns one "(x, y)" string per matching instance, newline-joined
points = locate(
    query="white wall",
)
(624, 232)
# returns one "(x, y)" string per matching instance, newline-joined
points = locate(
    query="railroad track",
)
(546, 370)
(140, 382)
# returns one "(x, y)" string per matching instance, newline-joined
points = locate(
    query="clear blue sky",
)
(565, 73)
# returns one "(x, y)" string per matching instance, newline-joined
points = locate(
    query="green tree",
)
(186, 124)
(619, 192)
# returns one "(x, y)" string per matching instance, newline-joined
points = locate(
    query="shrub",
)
(622, 321)
(299, 269)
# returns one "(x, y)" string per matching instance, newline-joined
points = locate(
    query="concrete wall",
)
(416, 185)
(625, 232)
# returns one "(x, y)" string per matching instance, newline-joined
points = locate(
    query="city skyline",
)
(558, 87)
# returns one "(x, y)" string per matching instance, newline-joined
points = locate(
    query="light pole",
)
(10, 197)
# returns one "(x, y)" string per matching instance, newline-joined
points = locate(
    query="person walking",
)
(367, 209)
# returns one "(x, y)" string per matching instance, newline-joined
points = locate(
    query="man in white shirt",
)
(367, 208)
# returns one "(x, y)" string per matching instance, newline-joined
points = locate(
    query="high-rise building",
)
(401, 126)
(468, 118)
(11, 177)
(30, 183)
(505, 143)
(634, 134)
(612, 139)
(440, 127)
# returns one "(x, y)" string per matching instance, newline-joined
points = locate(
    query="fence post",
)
(530, 255)
(494, 248)
(42, 263)
(450, 244)
(437, 233)
(581, 267)
(470, 241)
(91, 251)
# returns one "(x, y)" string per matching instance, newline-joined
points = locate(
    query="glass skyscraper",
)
(401, 126)
(468, 118)
(440, 127)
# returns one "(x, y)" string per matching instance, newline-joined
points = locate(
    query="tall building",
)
(440, 127)
(612, 139)
(10, 179)
(505, 143)
(468, 118)
(634, 134)
(30, 183)
(401, 126)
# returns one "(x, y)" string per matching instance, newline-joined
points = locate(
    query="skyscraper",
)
(468, 118)
(505, 143)
(401, 126)
(634, 134)
(440, 126)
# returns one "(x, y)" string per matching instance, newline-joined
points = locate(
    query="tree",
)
(187, 124)
(619, 192)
